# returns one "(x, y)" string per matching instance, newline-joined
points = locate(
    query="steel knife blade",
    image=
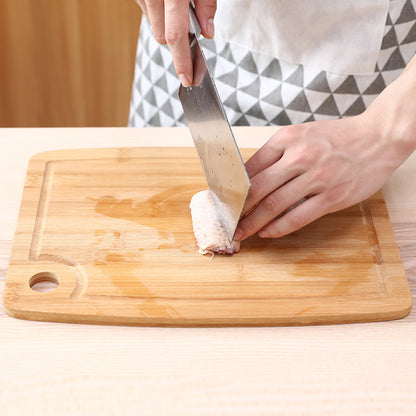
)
(214, 141)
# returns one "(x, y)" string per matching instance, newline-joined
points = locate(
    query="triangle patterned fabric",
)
(260, 90)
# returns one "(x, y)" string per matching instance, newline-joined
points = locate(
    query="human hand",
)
(330, 165)
(169, 20)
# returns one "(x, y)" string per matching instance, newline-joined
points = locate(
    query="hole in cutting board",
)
(44, 282)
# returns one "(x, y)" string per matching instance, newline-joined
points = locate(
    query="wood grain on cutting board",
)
(112, 227)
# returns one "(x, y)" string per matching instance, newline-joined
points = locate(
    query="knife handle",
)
(194, 26)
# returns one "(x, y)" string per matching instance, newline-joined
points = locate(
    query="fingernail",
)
(238, 234)
(184, 80)
(264, 234)
(210, 28)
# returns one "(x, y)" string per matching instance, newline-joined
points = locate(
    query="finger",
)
(272, 206)
(205, 10)
(176, 35)
(269, 180)
(274, 149)
(305, 213)
(266, 156)
(142, 5)
(156, 17)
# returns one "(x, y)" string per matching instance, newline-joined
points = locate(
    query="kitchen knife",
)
(214, 141)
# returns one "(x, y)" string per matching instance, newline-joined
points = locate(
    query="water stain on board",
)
(128, 284)
(167, 211)
(334, 276)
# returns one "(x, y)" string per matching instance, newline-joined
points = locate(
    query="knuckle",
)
(211, 5)
(255, 190)
(296, 222)
(305, 155)
(160, 38)
(334, 198)
(300, 157)
(294, 162)
(283, 135)
(173, 36)
(271, 204)
(207, 5)
(272, 230)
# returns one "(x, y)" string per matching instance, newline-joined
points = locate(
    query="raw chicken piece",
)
(208, 230)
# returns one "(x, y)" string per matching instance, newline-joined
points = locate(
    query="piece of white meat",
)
(208, 230)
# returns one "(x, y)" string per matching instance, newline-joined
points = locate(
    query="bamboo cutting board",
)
(111, 229)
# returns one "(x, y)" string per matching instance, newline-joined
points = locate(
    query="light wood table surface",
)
(59, 369)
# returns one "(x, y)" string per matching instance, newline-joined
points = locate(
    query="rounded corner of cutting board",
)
(9, 305)
(42, 156)
(399, 307)
(406, 306)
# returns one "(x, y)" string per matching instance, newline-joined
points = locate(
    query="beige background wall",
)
(66, 62)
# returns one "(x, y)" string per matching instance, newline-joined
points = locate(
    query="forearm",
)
(393, 114)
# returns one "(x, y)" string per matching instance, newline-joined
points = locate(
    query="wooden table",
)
(50, 368)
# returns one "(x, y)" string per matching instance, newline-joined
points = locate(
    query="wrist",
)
(392, 115)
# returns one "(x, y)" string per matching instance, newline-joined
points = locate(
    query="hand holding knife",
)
(169, 20)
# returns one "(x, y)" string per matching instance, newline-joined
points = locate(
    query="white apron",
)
(279, 62)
